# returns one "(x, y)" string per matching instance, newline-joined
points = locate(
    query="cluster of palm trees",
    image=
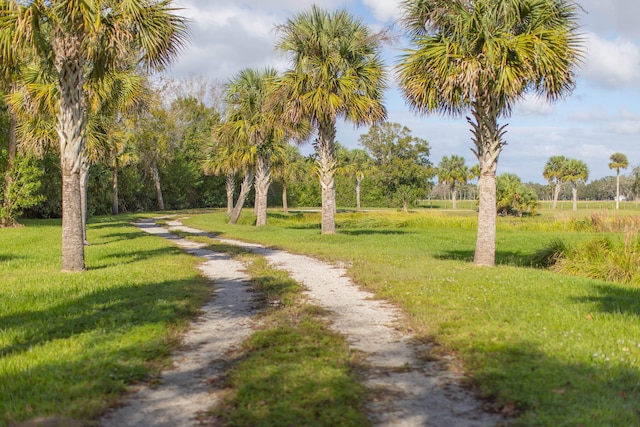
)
(479, 56)
(559, 170)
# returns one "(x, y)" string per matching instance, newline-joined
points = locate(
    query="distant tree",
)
(336, 73)
(635, 181)
(453, 172)
(288, 166)
(554, 173)
(513, 196)
(618, 161)
(575, 171)
(361, 165)
(402, 162)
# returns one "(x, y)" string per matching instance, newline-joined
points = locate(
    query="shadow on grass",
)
(615, 299)
(547, 391)
(515, 259)
(373, 232)
(117, 308)
(132, 257)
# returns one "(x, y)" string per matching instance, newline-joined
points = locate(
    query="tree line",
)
(72, 76)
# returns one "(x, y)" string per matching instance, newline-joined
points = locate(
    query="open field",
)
(551, 348)
(548, 348)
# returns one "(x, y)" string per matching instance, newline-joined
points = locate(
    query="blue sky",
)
(601, 117)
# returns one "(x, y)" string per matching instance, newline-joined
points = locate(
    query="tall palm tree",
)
(484, 55)
(575, 171)
(336, 73)
(553, 172)
(247, 96)
(618, 161)
(453, 172)
(79, 41)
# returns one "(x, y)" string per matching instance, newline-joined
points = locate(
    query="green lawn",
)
(559, 350)
(69, 343)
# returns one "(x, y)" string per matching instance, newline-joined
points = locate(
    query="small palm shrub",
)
(604, 259)
(549, 255)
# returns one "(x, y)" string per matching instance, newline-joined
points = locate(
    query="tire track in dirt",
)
(408, 391)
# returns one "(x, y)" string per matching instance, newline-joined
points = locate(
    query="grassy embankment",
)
(552, 348)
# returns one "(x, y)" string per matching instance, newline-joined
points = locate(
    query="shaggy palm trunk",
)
(358, 181)
(263, 180)
(84, 191)
(325, 148)
(285, 205)
(230, 185)
(556, 194)
(7, 219)
(488, 141)
(155, 175)
(71, 128)
(574, 190)
(247, 182)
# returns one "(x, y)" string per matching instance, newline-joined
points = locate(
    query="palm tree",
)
(80, 41)
(361, 164)
(288, 166)
(453, 171)
(336, 73)
(247, 96)
(554, 174)
(575, 171)
(484, 55)
(618, 161)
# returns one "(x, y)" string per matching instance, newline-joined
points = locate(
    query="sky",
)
(600, 117)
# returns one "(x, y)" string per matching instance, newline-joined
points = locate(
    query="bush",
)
(604, 259)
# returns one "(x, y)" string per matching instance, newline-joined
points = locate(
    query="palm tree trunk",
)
(325, 148)
(617, 188)
(247, 182)
(71, 128)
(12, 148)
(358, 181)
(574, 190)
(454, 198)
(114, 201)
(263, 180)
(488, 141)
(155, 175)
(84, 191)
(230, 185)
(556, 194)
(285, 206)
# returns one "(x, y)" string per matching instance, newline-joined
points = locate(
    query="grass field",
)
(547, 348)
(552, 349)
(70, 343)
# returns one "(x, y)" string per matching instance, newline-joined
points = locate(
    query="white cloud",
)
(533, 105)
(612, 63)
(384, 10)
(612, 16)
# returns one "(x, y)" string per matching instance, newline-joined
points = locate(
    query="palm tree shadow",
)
(511, 258)
(615, 299)
(372, 232)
